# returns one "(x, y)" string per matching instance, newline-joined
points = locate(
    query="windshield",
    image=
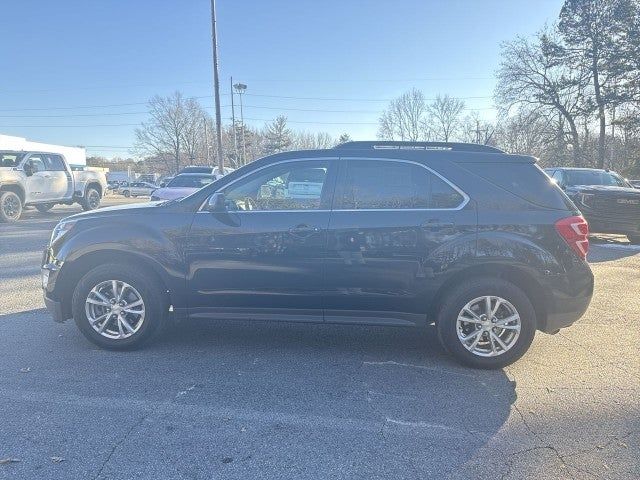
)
(10, 159)
(594, 177)
(190, 181)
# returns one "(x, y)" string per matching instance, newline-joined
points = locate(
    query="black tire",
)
(91, 199)
(44, 207)
(634, 239)
(126, 193)
(146, 284)
(453, 304)
(10, 207)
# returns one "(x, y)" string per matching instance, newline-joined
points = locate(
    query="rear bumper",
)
(567, 300)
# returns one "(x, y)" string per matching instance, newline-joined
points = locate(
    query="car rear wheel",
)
(634, 239)
(10, 207)
(127, 193)
(44, 207)
(118, 307)
(91, 199)
(486, 323)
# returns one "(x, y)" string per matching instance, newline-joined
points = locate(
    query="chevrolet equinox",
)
(479, 242)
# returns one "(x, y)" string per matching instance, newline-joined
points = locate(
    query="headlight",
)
(586, 199)
(61, 229)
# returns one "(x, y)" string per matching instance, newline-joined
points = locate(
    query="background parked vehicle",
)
(43, 180)
(206, 169)
(475, 240)
(609, 202)
(182, 185)
(138, 189)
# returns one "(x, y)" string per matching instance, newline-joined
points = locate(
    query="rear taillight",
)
(575, 231)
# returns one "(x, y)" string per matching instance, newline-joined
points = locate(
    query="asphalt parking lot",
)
(250, 401)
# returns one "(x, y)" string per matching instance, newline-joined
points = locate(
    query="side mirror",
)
(28, 169)
(217, 203)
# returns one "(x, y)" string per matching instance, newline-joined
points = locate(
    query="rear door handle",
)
(437, 223)
(303, 230)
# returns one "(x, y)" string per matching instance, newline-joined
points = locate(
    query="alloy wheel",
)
(115, 309)
(488, 326)
(11, 206)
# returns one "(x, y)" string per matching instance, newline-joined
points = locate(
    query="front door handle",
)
(303, 230)
(437, 223)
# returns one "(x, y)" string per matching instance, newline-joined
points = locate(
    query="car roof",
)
(194, 174)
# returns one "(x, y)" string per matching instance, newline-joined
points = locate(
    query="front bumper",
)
(55, 309)
(48, 275)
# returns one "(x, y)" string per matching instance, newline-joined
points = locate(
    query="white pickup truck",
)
(43, 180)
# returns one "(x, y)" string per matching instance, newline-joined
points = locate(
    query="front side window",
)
(37, 165)
(382, 184)
(294, 185)
(54, 163)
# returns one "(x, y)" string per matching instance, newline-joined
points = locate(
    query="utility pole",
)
(241, 88)
(233, 122)
(206, 140)
(216, 87)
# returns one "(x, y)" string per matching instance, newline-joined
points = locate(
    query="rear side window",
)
(525, 180)
(54, 163)
(384, 184)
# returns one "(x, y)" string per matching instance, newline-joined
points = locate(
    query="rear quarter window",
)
(525, 180)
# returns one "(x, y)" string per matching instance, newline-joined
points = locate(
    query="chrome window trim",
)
(465, 197)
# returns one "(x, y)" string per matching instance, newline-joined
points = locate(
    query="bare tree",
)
(163, 132)
(444, 115)
(593, 31)
(535, 74)
(405, 118)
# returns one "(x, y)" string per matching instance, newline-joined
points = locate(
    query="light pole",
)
(241, 88)
(216, 86)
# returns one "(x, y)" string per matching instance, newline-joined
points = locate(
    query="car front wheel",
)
(486, 323)
(118, 307)
(10, 207)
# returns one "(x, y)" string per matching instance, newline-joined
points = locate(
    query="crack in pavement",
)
(119, 443)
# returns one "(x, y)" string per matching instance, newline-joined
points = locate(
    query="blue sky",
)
(79, 53)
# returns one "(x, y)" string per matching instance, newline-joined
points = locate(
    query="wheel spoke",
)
(496, 307)
(503, 321)
(102, 327)
(98, 319)
(499, 340)
(100, 296)
(470, 312)
(120, 330)
(487, 306)
(98, 302)
(114, 287)
(126, 324)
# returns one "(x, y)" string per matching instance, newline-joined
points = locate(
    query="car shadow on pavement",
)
(367, 399)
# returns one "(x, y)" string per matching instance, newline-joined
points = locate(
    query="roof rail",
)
(393, 145)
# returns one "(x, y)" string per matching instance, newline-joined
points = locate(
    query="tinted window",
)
(288, 186)
(379, 184)
(54, 163)
(525, 180)
(594, 177)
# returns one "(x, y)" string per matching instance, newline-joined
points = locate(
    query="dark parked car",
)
(384, 233)
(608, 202)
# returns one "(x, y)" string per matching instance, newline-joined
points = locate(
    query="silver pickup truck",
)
(43, 180)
